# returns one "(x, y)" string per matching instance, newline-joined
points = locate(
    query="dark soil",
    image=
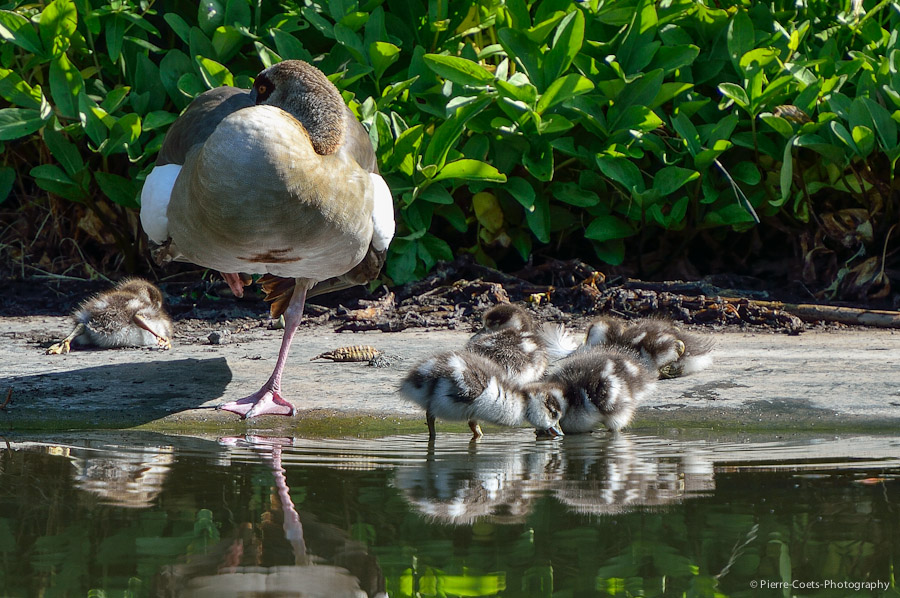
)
(453, 296)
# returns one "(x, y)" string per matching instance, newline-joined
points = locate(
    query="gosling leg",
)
(476, 429)
(429, 419)
(65, 345)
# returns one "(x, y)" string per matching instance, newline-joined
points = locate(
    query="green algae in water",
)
(151, 515)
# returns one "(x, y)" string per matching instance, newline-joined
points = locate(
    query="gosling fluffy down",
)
(599, 385)
(461, 385)
(662, 346)
(511, 338)
(131, 314)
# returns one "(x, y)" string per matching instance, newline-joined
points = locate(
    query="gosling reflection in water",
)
(287, 554)
(591, 475)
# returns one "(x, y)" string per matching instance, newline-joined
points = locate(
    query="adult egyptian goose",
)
(131, 314)
(512, 338)
(461, 385)
(664, 347)
(280, 180)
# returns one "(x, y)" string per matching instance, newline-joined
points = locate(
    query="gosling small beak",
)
(555, 431)
(679, 347)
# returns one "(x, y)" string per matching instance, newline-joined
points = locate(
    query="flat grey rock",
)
(820, 380)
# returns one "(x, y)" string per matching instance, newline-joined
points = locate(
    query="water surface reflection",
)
(150, 515)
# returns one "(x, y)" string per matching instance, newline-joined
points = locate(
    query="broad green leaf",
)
(563, 89)
(622, 171)
(787, 171)
(124, 132)
(458, 70)
(289, 47)
(669, 179)
(91, 116)
(735, 93)
(684, 127)
(432, 250)
(114, 99)
(488, 211)
(436, 194)
(401, 265)
(864, 139)
(740, 37)
(885, 126)
(383, 55)
(114, 33)
(538, 219)
(50, 177)
(566, 44)
(446, 135)
(526, 93)
(237, 13)
(469, 170)
(525, 52)
(608, 227)
(65, 152)
(670, 58)
(179, 26)
(611, 252)
(781, 125)
(639, 46)
(572, 194)
(844, 135)
(66, 85)
(214, 74)
(226, 41)
(17, 29)
(16, 91)
(638, 118)
(210, 14)
(118, 189)
(352, 42)
(7, 179)
(759, 57)
(158, 119)
(539, 162)
(454, 215)
(521, 190)
(746, 172)
(58, 22)
(406, 150)
(172, 67)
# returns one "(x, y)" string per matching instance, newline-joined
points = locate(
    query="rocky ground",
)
(773, 371)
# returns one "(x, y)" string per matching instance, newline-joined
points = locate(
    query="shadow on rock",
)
(119, 394)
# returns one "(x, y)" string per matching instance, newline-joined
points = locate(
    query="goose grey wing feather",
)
(357, 144)
(199, 121)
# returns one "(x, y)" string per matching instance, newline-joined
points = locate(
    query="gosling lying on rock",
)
(511, 338)
(663, 347)
(131, 314)
(464, 386)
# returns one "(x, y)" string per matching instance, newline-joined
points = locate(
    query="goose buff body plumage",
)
(279, 180)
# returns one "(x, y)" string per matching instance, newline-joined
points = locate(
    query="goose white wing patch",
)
(155, 198)
(382, 214)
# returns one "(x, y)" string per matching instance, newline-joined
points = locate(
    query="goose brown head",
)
(304, 92)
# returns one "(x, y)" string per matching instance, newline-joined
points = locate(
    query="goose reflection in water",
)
(287, 554)
(501, 481)
(115, 475)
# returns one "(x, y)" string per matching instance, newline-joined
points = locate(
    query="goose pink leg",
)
(268, 400)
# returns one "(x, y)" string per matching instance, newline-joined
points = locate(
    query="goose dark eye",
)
(262, 89)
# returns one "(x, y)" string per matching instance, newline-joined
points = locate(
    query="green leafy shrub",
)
(503, 126)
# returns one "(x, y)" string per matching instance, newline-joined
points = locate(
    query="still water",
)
(132, 515)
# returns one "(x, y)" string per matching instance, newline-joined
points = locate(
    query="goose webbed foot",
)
(265, 401)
